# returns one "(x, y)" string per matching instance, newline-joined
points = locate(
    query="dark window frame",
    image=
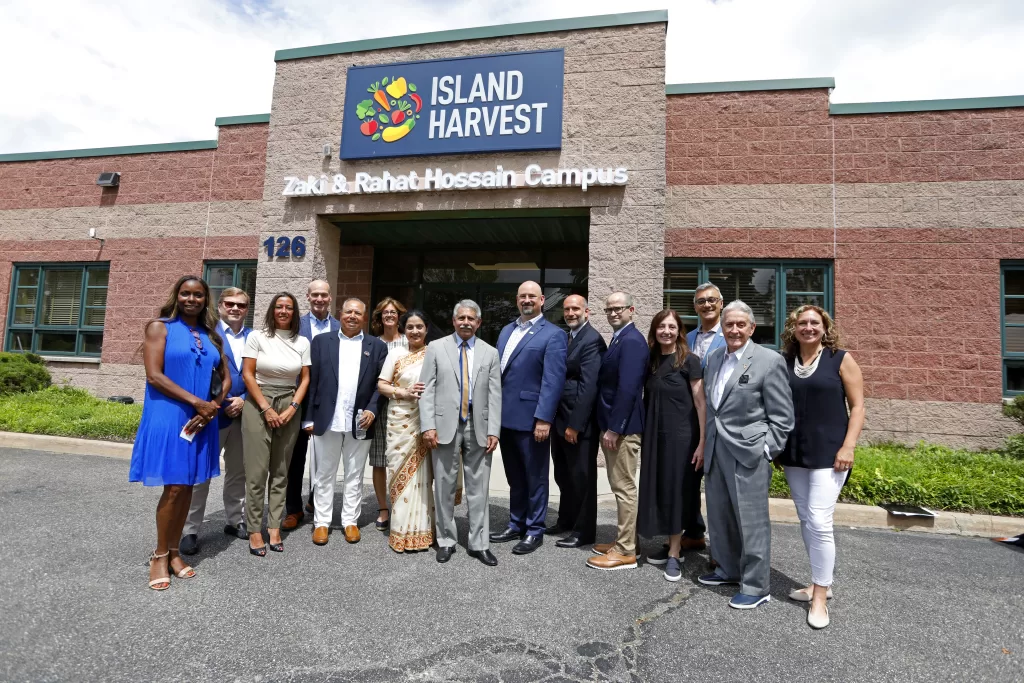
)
(250, 317)
(1008, 357)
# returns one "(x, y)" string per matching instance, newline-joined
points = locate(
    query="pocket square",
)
(744, 379)
(366, 353)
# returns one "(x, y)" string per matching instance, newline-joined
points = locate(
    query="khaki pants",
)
(266, 453)
(234, 483)
(621, 465)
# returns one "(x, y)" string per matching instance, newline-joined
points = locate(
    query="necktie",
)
(464, 371)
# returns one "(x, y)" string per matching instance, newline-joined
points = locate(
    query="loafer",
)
(743, 601)
(189, 544)
(238, 531)
(320, 535)
(528, 545)
(716, 579)
(611, 561)
(444, 553)
(352, 533)
(673, 572)
(573, 541)
(603, 548)
(485, 556)
(658, 557)
(801, 595)
(555, 529)
(507, 535)
(817, 622)
(292, 521)
(690, 544)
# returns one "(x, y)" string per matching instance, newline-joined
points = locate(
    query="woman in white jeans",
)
(828, 401)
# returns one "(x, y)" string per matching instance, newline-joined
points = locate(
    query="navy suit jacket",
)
(582, 365)
(620, 401)
(531, 384)
(237, 383)
(306, 330)
(323, 381)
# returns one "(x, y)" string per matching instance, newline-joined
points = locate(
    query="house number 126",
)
(283, 247)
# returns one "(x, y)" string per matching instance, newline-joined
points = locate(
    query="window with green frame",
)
(1012, 314)
(770, 288)
(223, 274)
(57, 309)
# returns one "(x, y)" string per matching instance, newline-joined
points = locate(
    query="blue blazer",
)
(531, 385)
(237, 383)
(717, 341)
(323, 381)
(620, 400)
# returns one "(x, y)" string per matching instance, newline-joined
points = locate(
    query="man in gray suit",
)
(460, 418)
(750, 416)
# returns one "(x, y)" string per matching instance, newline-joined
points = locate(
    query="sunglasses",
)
(234, 304)
(198, 339)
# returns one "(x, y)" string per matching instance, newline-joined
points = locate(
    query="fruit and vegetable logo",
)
(392, 110)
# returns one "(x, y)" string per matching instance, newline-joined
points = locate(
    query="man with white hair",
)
(750, 416)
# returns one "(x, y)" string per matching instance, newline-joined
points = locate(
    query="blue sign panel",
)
(489, 103)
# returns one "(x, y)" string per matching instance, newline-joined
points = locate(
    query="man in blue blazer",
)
(532, 353)
(342, 416)
(706, 337)
(620, 417)
(318, 321)
(233, 307)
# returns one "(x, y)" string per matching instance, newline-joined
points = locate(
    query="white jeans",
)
(329, 451)
(234, 483)
(815, 493)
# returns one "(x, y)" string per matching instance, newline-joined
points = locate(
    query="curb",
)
(780, 509)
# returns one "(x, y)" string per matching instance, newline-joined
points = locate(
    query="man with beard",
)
(532, 353)
(574, 443)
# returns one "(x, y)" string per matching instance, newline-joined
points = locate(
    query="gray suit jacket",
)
(439, 404)
(756, 407)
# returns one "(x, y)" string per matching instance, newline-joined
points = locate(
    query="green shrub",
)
(1015, 409)
(1015, 446)
(21, 372)
(64, 411)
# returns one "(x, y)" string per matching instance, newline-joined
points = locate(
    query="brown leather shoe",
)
(612, 561)
(292, 521)
(320, 535)
(352, 533)
(692, 543)
(603, 548)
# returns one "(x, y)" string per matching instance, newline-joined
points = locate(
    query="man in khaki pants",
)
(620, 419)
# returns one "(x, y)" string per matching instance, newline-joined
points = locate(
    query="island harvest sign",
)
(488, 103)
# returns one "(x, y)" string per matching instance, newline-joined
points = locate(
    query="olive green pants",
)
(265, 454)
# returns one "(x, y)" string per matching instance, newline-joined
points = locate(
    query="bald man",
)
(532, 353)
(318, 321)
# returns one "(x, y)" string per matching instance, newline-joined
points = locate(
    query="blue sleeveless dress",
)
(160, 456)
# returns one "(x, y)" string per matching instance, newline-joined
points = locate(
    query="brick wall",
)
(355, 273)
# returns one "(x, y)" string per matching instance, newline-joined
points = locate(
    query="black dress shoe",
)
(573, 540)
(528, 545)
(238, 531)
(444, 553)
(507, 535)
(189, 544)
(485, 556)
(555, 529)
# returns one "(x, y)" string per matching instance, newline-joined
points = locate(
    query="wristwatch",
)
(295, 405)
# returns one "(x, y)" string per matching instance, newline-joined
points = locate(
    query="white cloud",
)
(90, 73)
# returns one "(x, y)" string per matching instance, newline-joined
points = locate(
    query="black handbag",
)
(216, 383)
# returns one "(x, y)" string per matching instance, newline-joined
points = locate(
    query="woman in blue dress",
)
(174, 448)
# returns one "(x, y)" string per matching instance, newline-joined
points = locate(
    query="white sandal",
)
(163, 579)
(184, 573)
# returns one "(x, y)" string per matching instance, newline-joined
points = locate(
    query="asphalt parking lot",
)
(75, 606)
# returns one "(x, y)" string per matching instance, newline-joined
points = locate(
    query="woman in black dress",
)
(672, 454)
(828, 402)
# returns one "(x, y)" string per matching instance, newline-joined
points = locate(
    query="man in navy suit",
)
(342, 416)
(574, 443)
(532, 352)
(233, 307)
(318, 321)
(620, 417)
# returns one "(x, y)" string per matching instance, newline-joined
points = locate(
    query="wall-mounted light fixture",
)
(109, 180)
(326, 151)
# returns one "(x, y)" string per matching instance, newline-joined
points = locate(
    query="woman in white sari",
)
(410, 477)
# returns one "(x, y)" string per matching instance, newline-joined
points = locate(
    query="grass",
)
(933, 476)
(63, 411)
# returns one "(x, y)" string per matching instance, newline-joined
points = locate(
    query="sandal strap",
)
(184, 573)
(166, 580)
(154, 556)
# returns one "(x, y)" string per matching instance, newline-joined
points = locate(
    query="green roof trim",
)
(841, 108)
(479, 33)
(111, 151)
(749, 86)
(240, 120)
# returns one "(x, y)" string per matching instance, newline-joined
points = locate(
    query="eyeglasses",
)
(709, 300)
(234, 304)
(615, 309)
(198, 339)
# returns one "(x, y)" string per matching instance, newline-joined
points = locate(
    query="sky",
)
(87, 73)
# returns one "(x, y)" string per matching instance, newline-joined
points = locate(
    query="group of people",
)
(428, 410)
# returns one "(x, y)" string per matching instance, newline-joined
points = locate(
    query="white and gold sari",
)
(410, 475)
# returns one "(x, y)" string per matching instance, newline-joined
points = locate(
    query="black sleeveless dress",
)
(819, 405)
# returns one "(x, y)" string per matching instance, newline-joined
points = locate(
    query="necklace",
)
(804, 371)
